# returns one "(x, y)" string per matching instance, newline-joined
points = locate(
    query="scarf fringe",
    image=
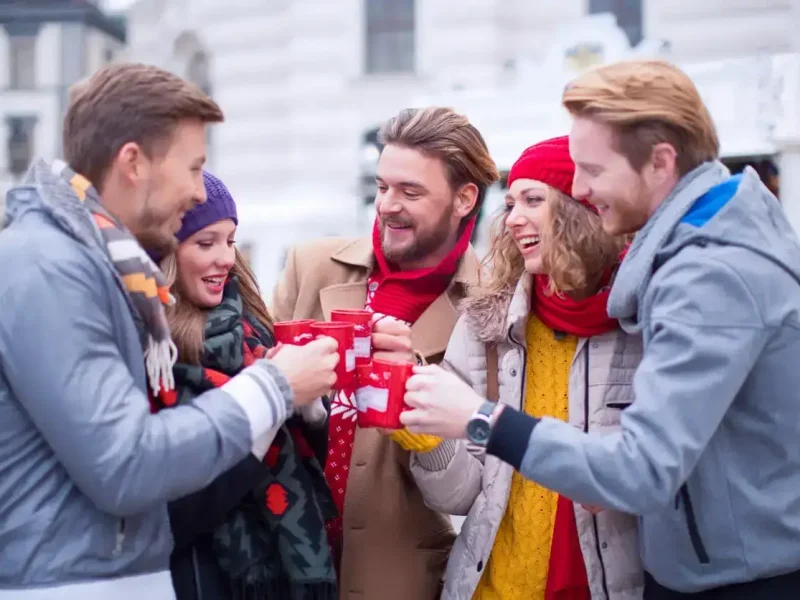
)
(159, 358)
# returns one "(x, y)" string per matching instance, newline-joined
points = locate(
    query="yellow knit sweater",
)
(518, 565)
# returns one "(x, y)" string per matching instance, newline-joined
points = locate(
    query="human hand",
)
(309, 368)
(314, 413)
(441, 403)
(391, 340)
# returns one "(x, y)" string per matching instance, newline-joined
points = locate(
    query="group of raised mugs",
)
(379, 385)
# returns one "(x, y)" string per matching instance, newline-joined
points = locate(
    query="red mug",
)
(294, 333)
(343, 333)
(380, 393)
(362, 333)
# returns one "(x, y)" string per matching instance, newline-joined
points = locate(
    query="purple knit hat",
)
(219, 205)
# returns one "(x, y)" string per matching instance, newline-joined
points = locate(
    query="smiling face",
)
(166, 186)
(624, 198)
(204, 262)
(419, 213)
(528, 214)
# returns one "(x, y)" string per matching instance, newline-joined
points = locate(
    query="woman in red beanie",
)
(536, 337)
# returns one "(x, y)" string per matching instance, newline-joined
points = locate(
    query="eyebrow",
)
(526, 191)
(406, 184)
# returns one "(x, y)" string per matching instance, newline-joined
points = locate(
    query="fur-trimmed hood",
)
(492, 315)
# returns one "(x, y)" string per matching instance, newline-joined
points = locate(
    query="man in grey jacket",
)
(85, 469)
(708, 455)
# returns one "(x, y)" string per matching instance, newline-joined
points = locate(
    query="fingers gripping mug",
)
(343, 333)
(381, 387)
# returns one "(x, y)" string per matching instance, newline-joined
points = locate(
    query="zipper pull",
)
(120, 539)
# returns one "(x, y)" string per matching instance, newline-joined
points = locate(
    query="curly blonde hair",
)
(576, 252)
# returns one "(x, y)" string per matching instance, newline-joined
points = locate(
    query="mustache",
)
(395, 222)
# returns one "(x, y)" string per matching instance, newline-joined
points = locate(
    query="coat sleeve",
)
(62, 360)
(450, 476)
(707, 333)
(285, 295)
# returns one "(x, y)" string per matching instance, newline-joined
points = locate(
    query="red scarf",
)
(583, 318)
(404, 295)
(559, 312)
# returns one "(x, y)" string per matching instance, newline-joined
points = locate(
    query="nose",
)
(387, 204)
(225, 260)
(580, 186)
(199, 192)
(515, 218)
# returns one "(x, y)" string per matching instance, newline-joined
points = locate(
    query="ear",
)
(131, 163)
(663, 161)
(466, 198)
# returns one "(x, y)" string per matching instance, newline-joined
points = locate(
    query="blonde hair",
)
(442, 133)
(576, 252)
(187, 322)
(646, 102)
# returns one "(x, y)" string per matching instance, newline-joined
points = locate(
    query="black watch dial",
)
(478, 431)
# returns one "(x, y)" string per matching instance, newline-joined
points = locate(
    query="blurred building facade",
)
(45, 46)
(303, 82)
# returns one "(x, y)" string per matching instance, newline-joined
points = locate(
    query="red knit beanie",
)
(549, 162)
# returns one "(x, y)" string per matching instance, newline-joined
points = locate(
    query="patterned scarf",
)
(139, 275)
(273, 545)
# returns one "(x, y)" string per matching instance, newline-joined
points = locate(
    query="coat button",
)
(604, 545)
(595, 345)
(513, 372)
(373, 286)
(480, 566)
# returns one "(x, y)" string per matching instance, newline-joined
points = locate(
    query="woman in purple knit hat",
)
(257, 531)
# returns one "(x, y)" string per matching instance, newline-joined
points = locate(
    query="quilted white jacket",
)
(462, 481)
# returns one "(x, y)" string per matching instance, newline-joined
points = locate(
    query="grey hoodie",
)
(709, 453)
(85, 470)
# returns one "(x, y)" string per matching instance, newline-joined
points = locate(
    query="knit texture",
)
(416, 442)
(549, 162)
(518, 566)
(219, 205)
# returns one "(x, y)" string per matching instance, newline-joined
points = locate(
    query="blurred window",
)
(390, 36)
(628, 13)
(22, 62)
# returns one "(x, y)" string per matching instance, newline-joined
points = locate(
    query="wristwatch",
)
(479, 427)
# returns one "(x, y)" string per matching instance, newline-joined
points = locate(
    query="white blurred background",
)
(305, 84)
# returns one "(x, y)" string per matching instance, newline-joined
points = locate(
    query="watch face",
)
(478, 431)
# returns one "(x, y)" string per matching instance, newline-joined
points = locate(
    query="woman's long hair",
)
(576, 252)
(187, 322)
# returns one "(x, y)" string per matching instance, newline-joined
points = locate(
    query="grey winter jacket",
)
(709, 452)
(456, 480)
(85, 469)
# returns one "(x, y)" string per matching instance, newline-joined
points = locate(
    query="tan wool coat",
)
(395, 547)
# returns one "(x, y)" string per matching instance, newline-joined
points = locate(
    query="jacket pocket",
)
(684, 498)
(618, 405)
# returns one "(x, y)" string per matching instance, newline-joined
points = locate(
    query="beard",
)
(425, 241)
(153, 228)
